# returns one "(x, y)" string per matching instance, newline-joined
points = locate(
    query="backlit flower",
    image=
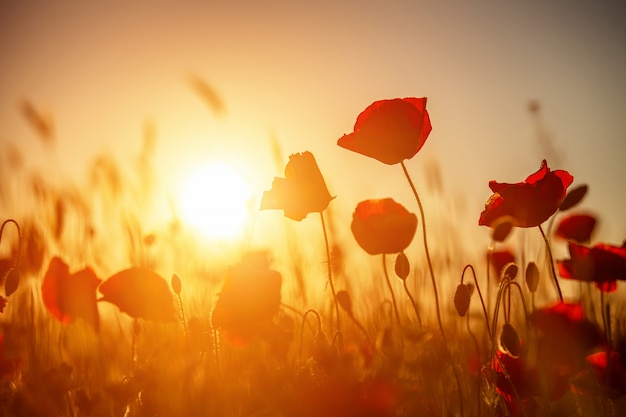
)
(70, 296)
(602, 264)
(390, 130)
(576, 227)
(566, 336)
(140, 293)
(528, 203)
(383, 226)
(301, 192)
(249, 300)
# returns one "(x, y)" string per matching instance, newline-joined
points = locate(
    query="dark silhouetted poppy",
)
(70, 296)
(301, 192)
(249, 300)
(390, 130)
(602, 264)
(528, 203)
(383, 226)
(566, 336)
(606, 370)
(576, 227)
(3, 303)
(140, 293)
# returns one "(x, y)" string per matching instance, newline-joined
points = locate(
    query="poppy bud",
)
(502, 230)
(344, 300)
(509, 271)
(509, 340)
(462, 299)
(176, 284)
(402, 266)
(11, 281)
(532, 276)
(574, 197)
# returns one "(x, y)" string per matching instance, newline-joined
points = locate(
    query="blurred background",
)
(246, 82)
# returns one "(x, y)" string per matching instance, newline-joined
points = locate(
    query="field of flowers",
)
(101, 317)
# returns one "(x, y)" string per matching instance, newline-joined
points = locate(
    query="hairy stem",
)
(330, 272)
(552, 270)
(393, 297)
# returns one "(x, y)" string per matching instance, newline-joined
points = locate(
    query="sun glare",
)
(214, 200)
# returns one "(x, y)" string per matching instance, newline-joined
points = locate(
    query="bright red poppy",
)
(70, 296)
(249, 300)
(383, 226)
(602, 264)
(576, 227)
(140, 293)
(301, 192)
(528, 203)
(390, 130)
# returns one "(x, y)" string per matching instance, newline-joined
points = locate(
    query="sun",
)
(215, 200)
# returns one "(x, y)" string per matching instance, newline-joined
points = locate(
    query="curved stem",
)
(408, 293)
(19, 238)
(432, 278)
(549, 250)
(393, 297)
(480, 295)
(330, 272)
(319, 329)
(425, 239)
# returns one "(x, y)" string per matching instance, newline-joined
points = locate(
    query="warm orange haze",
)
(312, 209)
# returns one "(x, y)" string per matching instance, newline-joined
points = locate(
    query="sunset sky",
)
(301, 72)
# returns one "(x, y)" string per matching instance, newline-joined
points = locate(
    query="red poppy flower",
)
(566, 336)
(301, 192)
(390, 130)
(606, 369)
(603, 264)
(70, 296)
(576, 227)
(249, 300)
(383, 226)
(500, 259)
(528, 203)
(140, 293)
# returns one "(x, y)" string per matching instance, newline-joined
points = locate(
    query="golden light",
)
(214, 200)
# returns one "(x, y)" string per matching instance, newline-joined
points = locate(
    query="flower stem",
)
(424, 236)
(480, 295)
(549, 250)
(432, 278)
(408, 293)
(393, 297)
(330, 272)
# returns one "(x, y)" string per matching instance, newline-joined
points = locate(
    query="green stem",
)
(330, 272)
(393, 297)
(552, 270)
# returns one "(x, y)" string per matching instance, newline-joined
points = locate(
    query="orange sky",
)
(302, 71)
